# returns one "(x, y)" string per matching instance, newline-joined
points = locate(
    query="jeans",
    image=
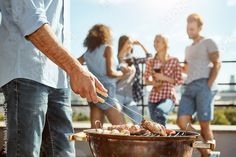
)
(37, 114)
(159, 111)
(130, 108)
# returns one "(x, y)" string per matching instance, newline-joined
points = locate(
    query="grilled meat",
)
(145, 127)
(133, 129)
(153, 127)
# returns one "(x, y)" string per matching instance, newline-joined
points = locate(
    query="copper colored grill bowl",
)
(107, 145)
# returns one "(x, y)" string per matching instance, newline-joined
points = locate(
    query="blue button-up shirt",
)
(18, 57)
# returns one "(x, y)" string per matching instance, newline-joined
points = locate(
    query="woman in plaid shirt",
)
(163, 72)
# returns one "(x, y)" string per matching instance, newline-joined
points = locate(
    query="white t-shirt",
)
(198, 60)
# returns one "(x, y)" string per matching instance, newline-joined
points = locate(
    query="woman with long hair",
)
(129, 89)
(163, 72)
(99, 60)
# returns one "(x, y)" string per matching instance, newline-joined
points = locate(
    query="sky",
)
(142, 20)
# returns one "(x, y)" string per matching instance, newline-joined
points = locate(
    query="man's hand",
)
(85, 83)
(210, 84)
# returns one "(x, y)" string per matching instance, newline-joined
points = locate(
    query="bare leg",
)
(115, 117)
(183, 121)
(96, 114)
(207, 134)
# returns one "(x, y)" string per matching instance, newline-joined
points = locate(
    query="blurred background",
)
(142, 20)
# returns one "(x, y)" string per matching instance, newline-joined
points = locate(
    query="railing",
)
(143, 105)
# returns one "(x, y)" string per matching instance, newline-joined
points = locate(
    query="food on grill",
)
(153, 127)
(145, 128)
(170, 132)
(125, 132)
(133, 129)
(120, 127)
(115, 132)
(106, 131)
(99, 130)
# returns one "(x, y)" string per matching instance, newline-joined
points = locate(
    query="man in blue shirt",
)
(33, 67)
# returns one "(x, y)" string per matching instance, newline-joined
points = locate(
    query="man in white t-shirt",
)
(202, 65)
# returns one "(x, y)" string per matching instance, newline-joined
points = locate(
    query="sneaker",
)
(214, 154)
(212, 143)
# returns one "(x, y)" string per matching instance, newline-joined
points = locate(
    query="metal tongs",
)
(101, 100)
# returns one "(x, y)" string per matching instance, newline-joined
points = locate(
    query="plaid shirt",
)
(170, 69)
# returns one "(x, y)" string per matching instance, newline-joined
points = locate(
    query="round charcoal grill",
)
(148, 145)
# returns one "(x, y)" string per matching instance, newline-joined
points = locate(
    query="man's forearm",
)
(214, 73)
(46, 41)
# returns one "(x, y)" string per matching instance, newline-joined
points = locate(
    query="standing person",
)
(129, 89)
(163, 72)
(33, 67)
(99, 60)
(202, 63)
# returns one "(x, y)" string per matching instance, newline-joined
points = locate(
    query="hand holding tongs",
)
(101, 100)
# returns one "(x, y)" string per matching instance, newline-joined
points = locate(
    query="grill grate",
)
(178, 134)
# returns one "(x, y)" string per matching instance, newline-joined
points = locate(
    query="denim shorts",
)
(197, 99)
(111, 100)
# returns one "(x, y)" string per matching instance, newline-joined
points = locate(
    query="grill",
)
(180, 144)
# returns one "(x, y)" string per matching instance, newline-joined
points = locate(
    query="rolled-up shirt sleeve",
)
(28, 15)
(211, 46)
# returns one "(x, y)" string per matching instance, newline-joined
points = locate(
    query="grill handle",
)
(205, 145)
(80, 136)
